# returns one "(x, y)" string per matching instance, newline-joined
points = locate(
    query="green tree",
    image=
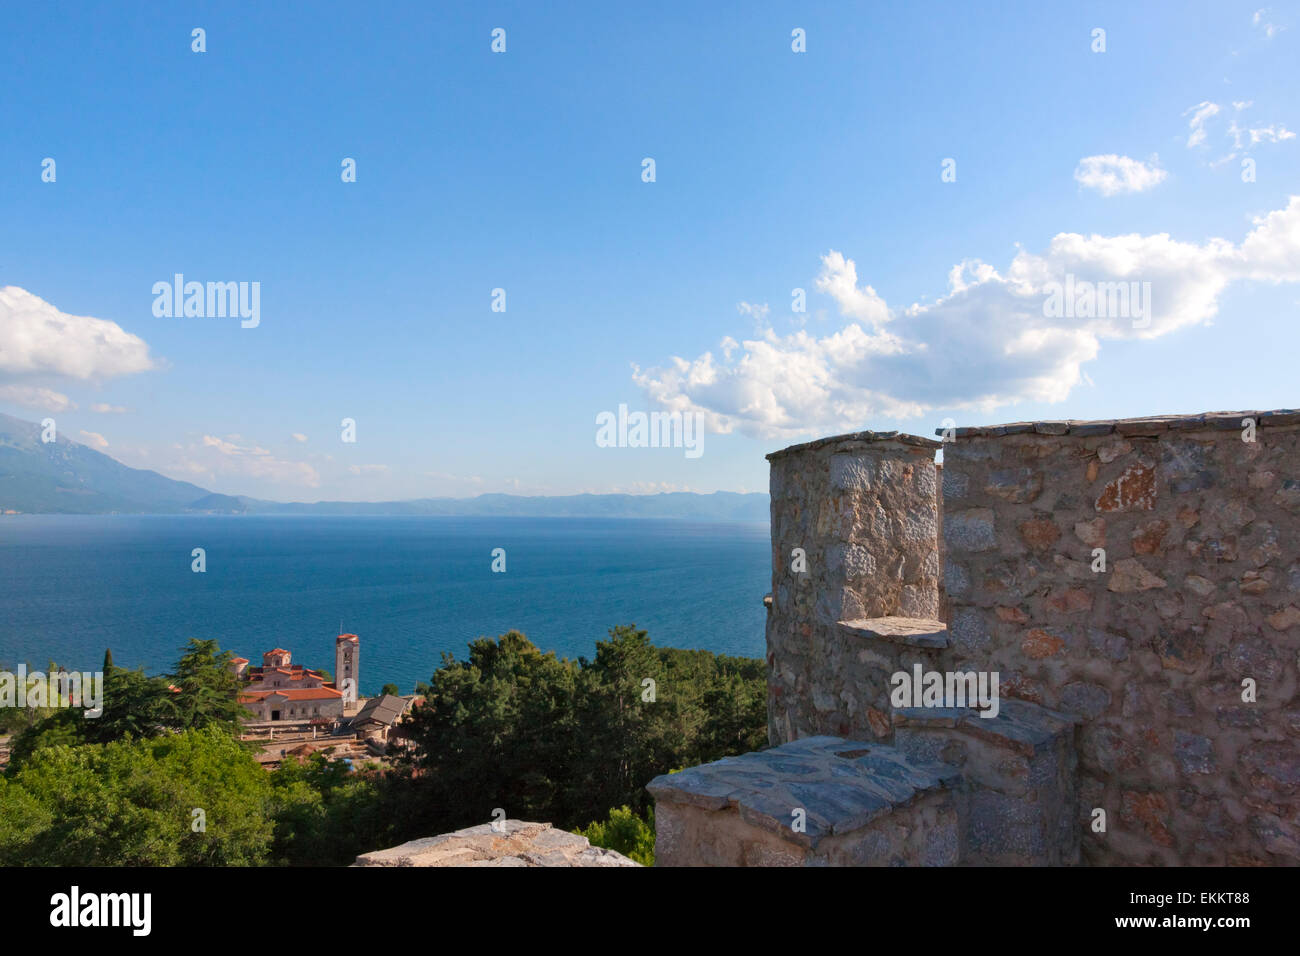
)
(629, 723)
(134, 706)
(15, 719)
(390, 689)
(132, 803)
(626, 833)
(565, 742)
(497, 730)
(59, 728)
(207, 689)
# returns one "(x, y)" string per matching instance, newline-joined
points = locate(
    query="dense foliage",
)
(627, 833)
(202, 692)
(564, 741)
(133, 803)
(569, 742)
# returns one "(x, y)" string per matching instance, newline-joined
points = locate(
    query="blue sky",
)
(522, 170)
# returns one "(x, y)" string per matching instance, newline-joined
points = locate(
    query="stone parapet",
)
(1150, 425)
(819, 801)
(1020, 771)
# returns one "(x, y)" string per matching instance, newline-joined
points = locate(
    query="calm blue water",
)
(410, 587)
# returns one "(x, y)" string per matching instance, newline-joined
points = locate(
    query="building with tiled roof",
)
(308, 703)
(379, 715)
(281, 690)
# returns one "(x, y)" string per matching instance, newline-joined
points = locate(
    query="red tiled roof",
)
(239, 660)
(348, 637)
(259, 673)
(297, 693)
(277, 650)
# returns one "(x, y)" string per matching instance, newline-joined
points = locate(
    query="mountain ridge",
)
(67, 477)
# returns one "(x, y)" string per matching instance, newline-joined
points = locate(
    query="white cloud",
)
(1200, 113)
(1111, 174)
(1259, 134)
(445, 476)
(38, 339)
(95, 438)
(647, 488)
(299, 437)
(212, 457)
(37, 397)
(1270, 134)
(368, 469)
(759, 312)
(1260, 20)
(230, 448)
(103, 408)
(984, 344)
(839, 279)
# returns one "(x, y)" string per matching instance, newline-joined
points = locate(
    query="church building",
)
(282, 690)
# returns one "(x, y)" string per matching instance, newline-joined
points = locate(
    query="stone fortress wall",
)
(1135, 584)
(1200, 531)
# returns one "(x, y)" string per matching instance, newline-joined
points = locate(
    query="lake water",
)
(410, 587)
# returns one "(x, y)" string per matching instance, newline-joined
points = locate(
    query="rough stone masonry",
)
(1136, 585)
(862, 509)
(1198, 521)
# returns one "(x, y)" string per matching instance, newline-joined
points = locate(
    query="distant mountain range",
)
(65, 477)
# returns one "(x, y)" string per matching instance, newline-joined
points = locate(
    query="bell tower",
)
(347, 651)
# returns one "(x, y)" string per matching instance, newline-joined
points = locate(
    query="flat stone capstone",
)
(841, 785)
(507, 843)
(908, 631)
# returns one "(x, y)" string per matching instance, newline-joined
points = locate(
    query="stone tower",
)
(347, 653)
(854, 543)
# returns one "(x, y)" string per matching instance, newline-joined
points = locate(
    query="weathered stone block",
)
(969, 530)
(819, 801)
(506, 843)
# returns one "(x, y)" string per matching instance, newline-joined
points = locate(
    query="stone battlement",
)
(1134, 584)
(1149, 425)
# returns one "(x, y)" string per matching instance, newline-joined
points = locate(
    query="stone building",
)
(282, 690)
(347, 665)
(1132, 585)
(379, 716)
